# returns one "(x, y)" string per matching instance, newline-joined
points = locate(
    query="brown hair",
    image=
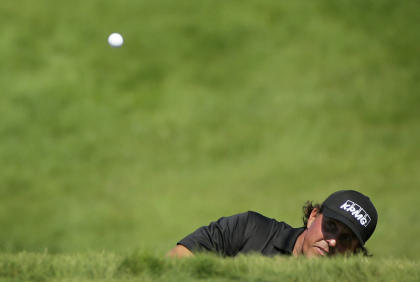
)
(307, 209)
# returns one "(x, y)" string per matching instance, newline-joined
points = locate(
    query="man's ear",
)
(312, 216)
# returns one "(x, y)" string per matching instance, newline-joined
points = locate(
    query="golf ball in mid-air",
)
(115, 40)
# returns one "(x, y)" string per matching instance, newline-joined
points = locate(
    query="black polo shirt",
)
(248, 232)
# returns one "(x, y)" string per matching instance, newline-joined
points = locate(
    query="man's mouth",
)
(321, 251)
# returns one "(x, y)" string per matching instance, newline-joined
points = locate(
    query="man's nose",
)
(331, 242)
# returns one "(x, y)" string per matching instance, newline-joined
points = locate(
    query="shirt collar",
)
(286, 239)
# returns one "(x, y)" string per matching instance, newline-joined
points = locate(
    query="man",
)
(341, 225)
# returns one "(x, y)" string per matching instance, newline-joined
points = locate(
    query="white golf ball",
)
(115, 40)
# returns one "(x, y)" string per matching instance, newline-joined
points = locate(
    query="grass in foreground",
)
(146, 267)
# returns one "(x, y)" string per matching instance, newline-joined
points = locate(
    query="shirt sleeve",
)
(225, 236)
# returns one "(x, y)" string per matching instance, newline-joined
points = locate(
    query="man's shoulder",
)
(258, 217)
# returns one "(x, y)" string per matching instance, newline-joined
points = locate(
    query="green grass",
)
(149, 267)
(209, 109)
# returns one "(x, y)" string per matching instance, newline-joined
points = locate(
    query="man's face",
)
(327, 236)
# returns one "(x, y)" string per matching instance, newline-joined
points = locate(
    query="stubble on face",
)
(313, 242)
(303, 245)
(317, 242)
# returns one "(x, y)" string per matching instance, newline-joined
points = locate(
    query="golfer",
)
(341, 225)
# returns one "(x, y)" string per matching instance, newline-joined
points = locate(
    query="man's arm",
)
(179, 251)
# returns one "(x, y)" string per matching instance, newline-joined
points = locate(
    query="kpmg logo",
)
(360, 214)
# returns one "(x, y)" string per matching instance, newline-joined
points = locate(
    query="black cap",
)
(354, 210)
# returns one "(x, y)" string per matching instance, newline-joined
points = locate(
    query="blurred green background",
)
(210, 108)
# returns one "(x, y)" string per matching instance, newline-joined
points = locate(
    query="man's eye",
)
(330, 226)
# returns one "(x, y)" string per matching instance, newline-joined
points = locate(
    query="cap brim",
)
(326, 211)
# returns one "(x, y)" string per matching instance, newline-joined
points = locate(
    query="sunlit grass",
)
(140, 266)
